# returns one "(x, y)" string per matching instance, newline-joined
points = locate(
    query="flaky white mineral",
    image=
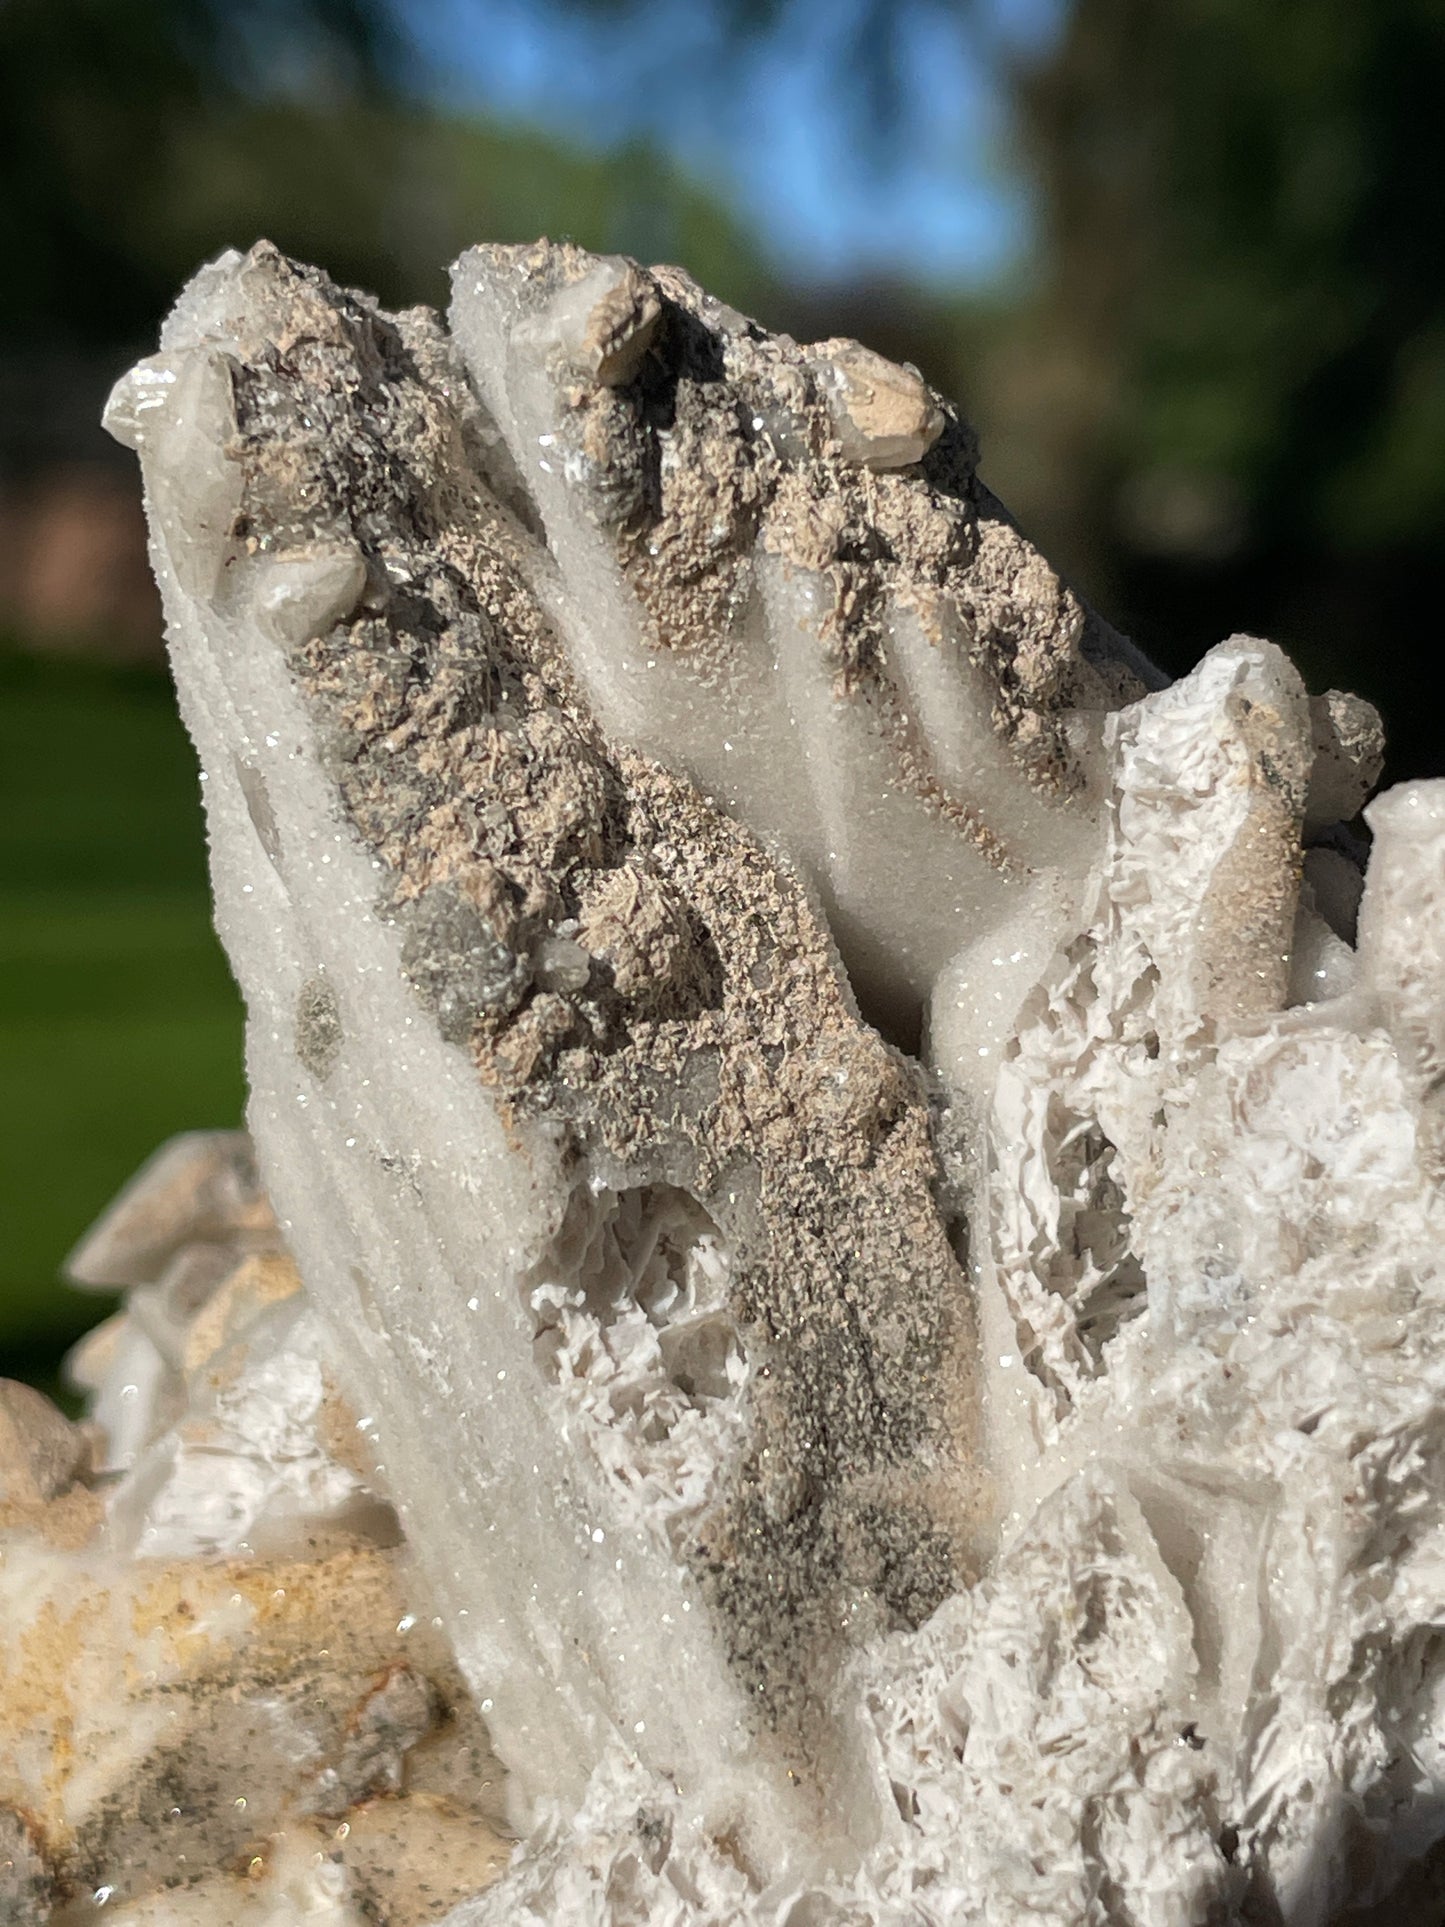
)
(867, 1177)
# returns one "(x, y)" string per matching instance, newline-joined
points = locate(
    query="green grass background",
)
(119, 1022)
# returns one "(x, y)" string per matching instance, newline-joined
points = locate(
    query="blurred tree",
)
(1232, 384)
(384, 194)
(95, 96)
(137, 136)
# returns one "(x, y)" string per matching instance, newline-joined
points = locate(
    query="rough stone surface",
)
(874, 1172)
(41, 1452)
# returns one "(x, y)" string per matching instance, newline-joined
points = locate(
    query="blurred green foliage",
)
(137, 137)
(96, 100)
(119, 1023)
(1240, 299)
(386, 196)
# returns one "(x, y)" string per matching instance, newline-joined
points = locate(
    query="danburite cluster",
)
(867, 1167)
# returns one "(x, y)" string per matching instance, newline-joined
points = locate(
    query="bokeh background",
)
(1183, 261)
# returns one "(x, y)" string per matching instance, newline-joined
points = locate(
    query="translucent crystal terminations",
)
(891, 1238)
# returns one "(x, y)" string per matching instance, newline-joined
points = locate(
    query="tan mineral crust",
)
(834, 1307)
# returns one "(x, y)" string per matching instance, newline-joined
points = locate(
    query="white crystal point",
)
(143, 391)
(250, 1469)
(1349, 743)
(306, 591)
(166, 402)
(1402, 922)
(200, 1188)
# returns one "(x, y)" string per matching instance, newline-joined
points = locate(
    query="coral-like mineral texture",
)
(867, 1175)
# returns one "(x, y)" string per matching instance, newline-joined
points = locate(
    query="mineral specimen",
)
(872, 1173)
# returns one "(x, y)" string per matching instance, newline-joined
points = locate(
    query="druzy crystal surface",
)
(867, 1176)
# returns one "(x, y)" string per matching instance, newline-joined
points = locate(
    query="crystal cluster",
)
(873, 1170)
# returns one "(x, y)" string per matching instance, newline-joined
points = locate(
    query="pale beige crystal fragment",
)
(884, 416)
(41, 1452)
(163, 1725)
(621, 321)
(260, 1280)
(1349, 753)
(200, 1188)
